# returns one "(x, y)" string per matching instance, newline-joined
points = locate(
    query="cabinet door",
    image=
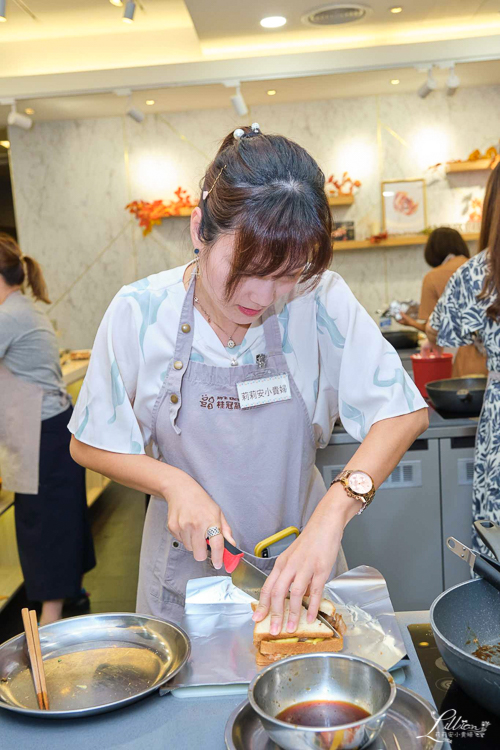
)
(457, 467)
(400, 533)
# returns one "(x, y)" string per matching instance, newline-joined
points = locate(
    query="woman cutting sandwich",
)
(233, 370)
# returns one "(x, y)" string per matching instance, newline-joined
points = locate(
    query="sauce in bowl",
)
(322, 713)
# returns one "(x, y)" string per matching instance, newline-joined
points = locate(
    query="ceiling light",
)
(5, 144)
(3, 17)
(271, 92)
(396, 9)
(395, 81)
(428, 87)
(238, 102)
(150, 102)
(18, 120)
(118, 3)
(453, 82)
(273, 22)
(128, 13)
(135, 114)
(29, 111)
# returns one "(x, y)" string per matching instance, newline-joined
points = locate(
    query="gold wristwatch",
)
(358, 485)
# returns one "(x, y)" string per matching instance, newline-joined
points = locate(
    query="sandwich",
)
(309, 637)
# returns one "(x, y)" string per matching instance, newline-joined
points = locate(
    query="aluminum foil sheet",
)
(218, 620)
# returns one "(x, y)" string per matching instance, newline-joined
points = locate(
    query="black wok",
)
(402, 339)
(458, 395)
(466, 625)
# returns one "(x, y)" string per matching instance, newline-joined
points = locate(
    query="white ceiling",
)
(66, 61)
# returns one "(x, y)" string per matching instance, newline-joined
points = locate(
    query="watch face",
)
(360, 482)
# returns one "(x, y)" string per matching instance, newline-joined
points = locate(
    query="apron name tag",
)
(264, 391)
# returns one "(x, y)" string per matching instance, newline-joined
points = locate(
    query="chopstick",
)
(35, 655)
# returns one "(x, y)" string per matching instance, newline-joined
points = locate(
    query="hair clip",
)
(239, 133)
(206, 193)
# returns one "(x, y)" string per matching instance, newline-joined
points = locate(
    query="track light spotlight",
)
(428, 86)
(135, 114)
(128, 13)
(3, 11)
(238, 102)
(18, 120)
(453, 82)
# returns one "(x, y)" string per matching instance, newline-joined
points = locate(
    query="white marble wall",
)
(72, 180)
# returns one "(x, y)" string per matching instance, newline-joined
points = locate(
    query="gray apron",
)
(20, 429)
(257, 464)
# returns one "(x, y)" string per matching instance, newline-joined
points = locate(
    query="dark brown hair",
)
(271, 195)
(442, 242)
(14, 268)
(490, 238)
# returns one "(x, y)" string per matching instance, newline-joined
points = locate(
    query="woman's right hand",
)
(191, 512)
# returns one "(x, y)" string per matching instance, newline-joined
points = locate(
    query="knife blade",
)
(251, 579)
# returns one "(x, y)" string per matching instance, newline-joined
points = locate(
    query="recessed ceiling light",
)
(118, 3)
(150, 102)
(273, 22)
(395, 81)
(5, 144)
(29, 111)
(396, 9)
(271, 92)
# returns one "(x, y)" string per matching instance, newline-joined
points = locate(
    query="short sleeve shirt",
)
(336, 354)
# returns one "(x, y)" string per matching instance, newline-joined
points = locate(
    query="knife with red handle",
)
(231, 557)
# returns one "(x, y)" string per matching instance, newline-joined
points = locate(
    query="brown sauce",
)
(322, 713)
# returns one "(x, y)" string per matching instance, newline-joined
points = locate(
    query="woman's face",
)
(252, 296)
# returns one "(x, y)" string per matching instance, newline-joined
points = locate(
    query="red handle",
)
(231, 557)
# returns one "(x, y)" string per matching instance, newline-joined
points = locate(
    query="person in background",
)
(470, 309)
(53, 531)
(445, 251)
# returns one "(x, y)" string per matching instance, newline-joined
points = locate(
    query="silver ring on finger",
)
(213, 531)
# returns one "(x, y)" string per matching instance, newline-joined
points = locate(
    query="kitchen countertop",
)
(439, 427)
(157, 723)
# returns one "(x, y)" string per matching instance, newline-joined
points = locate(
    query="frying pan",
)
(458, 395)
(402, 339)
(466, 624)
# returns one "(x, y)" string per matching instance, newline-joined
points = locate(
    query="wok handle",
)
(488, 569)
(489, 532)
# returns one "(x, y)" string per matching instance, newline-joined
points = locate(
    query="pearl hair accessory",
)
(238, 133)
(255, 127)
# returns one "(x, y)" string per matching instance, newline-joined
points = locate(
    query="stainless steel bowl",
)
(312, 677)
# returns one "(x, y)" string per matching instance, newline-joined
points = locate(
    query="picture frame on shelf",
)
(404, 207)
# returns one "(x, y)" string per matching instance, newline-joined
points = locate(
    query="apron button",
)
(174, 399)
(175, 544)
(178, 365)
(185, 328)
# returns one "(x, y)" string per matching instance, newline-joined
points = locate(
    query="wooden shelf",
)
(469, 166)
(340, 200)
(333, 200)
(404, 240)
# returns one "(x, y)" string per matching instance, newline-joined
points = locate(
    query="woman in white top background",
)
(259, 307)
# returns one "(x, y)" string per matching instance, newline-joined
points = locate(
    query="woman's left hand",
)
(304, 567)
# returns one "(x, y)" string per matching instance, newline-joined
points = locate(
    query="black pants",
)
(53, 530)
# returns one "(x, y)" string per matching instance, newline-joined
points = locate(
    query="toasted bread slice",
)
(263, 660)
(314, 646)
(326, 607)
(304, 629)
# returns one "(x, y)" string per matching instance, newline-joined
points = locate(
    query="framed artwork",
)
(404, 209)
